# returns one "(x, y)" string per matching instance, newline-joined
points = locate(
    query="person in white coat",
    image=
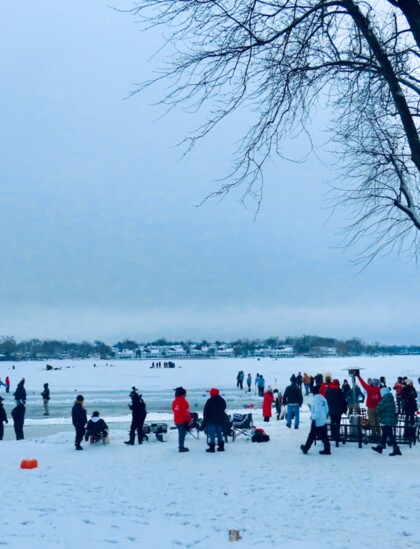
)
(319, 414)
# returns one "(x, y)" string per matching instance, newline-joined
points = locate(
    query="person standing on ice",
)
(261, 385)
(20, 393)
(319, 414)
(249, 382)
(372, 400)
(18, 415)
(267, 407)
(388, 419)
(7, 381)
(292, 397)
(138, 416)
(182, 418)
(79, 420)
(3, 417)
(46, 398)
(213, 418)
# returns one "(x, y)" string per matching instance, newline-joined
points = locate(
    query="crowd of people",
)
(331, 400)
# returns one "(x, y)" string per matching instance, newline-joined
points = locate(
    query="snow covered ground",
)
(152, 496)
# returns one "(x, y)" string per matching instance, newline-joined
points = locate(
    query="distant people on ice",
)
(46, 399)
(240, 379)
(261, 385)
(278, 403)
(249, 382)
(306, 383)
(319, 415)
(7, 381)
(293, 399)
(18, 415)
(96, 429)
(213, 419)
(138, 416)
(79, 420)
(182, 418)
(388, 420)
(20, 393)
(373, 397)
(3, 418)
(337, 406)
(267, 407)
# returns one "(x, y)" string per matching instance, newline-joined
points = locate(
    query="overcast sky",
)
(101, 234)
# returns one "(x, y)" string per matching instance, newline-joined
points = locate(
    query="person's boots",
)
(325, 452)
(396, 452)
(140, 438)
(211, 448)
(78, 447)
(221, 447)
(184, 449)
(377, 448)
(130, 441)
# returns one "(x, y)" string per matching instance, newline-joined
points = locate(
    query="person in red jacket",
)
(324, 386)
(182, 418)
(268, 404)
(373, 397)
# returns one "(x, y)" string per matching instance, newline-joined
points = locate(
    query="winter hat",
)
(180, 391)
(375, 382)
(409, 381)
(214, 392)
(45, 385)
(80, 397)
(336, 382)
(95, 414)
(384, 391)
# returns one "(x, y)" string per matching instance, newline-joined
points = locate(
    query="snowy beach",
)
(152, 496)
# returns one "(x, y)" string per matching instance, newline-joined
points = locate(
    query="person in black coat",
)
(20, 393)
(337, 406)
(214, 418)
(3, 417)
(18, 415)
(46, 398)
(79, 419)
(96, 428)
(292, 397)
(138, 416)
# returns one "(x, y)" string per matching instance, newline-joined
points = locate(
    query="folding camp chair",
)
(242, 425)
(195, 427)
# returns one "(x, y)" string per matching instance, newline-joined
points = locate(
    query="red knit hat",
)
(214, 392)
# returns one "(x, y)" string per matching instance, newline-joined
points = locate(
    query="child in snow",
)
(96, 429)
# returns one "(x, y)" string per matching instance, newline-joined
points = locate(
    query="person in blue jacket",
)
(319, 414)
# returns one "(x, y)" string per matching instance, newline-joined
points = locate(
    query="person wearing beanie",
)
(182, 418)
(337, 405)
(319, 415)
(138, 416)
(46, 397)
(3, 417)
(213, 418)
(20, 393)
(373, 397)
(18, 415)
(96, 428)
(268, 404)
(79, 420)
(388, 419)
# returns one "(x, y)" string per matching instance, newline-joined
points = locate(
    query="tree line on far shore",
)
(306, 345)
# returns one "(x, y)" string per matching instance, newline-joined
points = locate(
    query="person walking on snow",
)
(182, 418)
(213, 418)
(319, 414)
(388, 419)
(268, 404)
(79, 420)
(3, 417)
(46, 398)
